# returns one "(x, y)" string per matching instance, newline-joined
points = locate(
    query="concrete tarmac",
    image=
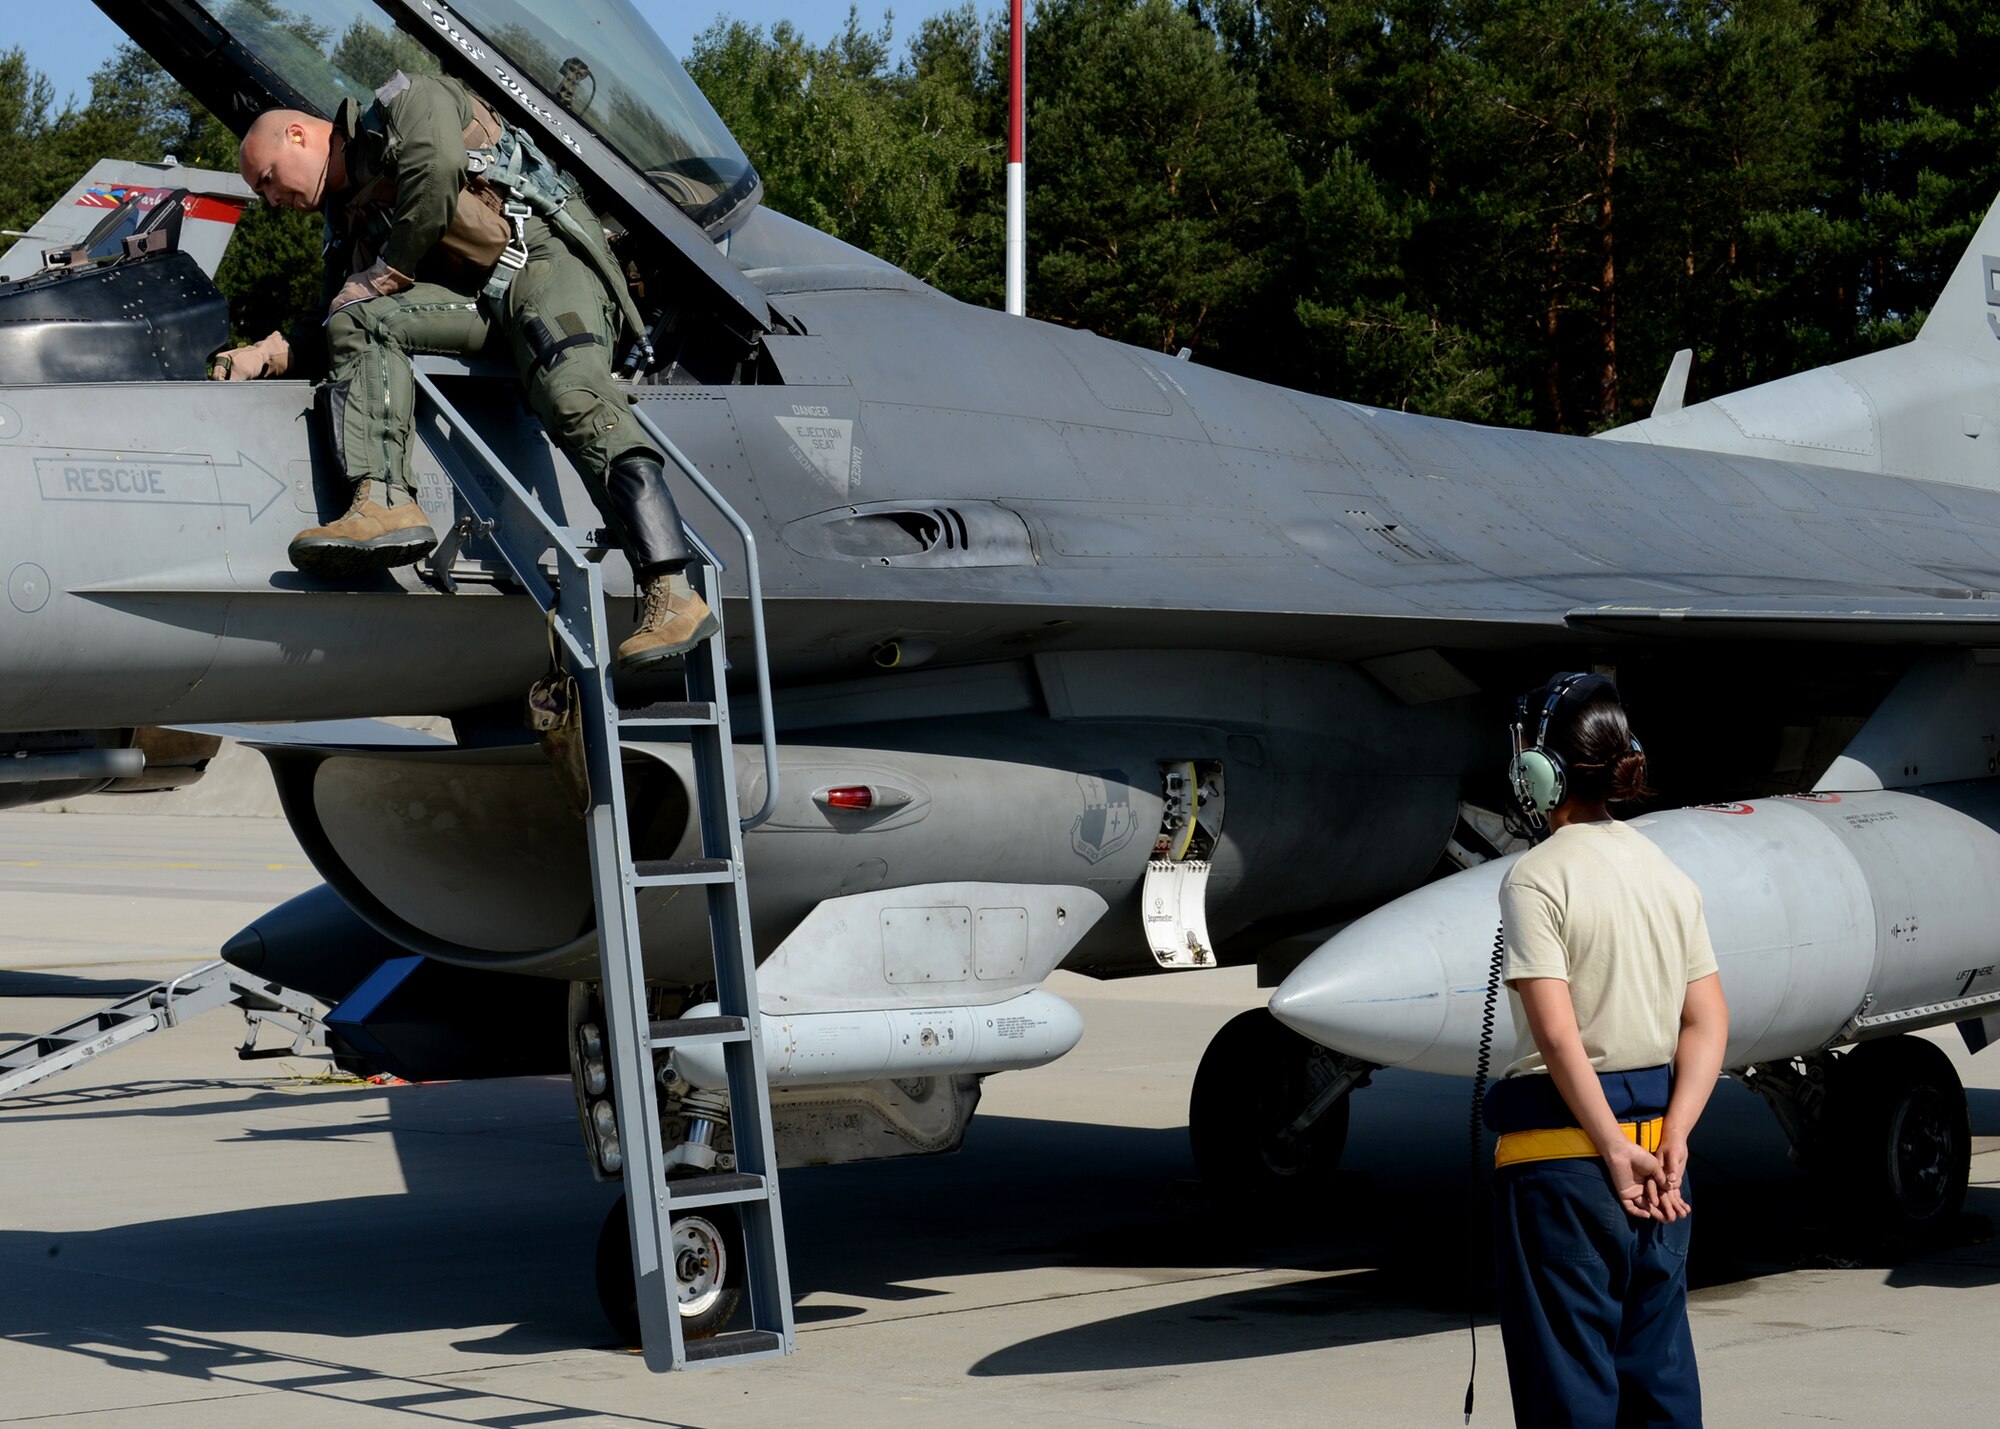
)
(190, 1240)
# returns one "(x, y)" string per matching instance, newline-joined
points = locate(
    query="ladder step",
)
(678, 872)
(743, 1344)
(718, 1188)
(686, 702)
(667, 714)
(684, 1031)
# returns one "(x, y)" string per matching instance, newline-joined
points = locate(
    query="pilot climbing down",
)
(1608, 956)
(448, 233)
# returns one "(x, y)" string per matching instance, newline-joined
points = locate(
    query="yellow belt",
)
(1552, 1143)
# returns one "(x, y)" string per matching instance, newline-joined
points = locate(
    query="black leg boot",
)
(642, 512)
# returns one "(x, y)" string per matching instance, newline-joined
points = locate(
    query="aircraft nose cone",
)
(1375, 990)
(245, 950)
(1404, 986)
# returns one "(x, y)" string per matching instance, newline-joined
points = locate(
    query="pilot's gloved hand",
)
(268, 357)
(378, 280)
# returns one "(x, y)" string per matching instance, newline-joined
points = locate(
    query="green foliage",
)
(272, 272)
(137, 112)
(25, 121)
(1501, 210)
(1364, 330)
(371, 55)
(879, 156)
(1158, 185)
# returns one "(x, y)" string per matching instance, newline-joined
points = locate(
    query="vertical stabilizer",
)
(1673, 391)
(1967, 313)
(213, 204)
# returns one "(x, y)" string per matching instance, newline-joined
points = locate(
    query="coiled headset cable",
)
(1477, 1142)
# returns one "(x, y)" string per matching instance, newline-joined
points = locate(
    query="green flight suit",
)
(403, 202)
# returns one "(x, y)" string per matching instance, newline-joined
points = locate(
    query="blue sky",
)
(67, 39)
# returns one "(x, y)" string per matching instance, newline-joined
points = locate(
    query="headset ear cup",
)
(1538, 780)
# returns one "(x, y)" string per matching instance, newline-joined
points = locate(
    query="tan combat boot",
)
(370, 537)
(675, 620)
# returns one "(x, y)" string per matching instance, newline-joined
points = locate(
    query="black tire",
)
(1897, 1139)
(709, 1294)
(1255, 1078)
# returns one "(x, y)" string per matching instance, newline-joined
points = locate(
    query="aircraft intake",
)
(1835, 918)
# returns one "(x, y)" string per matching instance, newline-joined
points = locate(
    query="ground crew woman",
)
(1609, 966)
(423, 256)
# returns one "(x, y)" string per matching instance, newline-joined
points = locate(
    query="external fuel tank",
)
(1835, 918)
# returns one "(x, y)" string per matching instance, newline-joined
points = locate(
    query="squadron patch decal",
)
(1107, 822)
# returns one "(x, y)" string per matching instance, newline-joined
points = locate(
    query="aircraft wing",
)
(324, 733)
(1964, 621)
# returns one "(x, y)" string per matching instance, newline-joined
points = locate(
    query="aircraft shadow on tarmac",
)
(128, 1099)
(1400, 1265)
(496, 1227)
(100, 990)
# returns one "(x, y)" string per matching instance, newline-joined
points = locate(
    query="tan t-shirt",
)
(1599, 906)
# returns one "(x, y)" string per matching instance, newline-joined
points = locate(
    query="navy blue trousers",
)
(1593, 1304)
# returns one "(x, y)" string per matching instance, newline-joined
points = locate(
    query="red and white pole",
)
(1017, 181)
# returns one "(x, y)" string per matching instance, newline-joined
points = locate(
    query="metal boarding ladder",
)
(509, 515)
(168, 1004)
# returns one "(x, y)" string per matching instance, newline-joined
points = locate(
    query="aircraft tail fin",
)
(1966, 315)
(213, 203)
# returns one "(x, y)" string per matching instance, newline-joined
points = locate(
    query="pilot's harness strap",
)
(533, 185)
(1555, 1143)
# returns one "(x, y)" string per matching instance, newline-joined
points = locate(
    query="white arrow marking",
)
(158, 480)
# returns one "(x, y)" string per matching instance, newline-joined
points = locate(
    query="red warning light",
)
(851, 796)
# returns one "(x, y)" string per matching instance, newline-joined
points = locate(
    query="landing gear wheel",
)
(705, 1256)
(1253, 1082)
(1898, 1138)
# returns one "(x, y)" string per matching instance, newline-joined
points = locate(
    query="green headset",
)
(1537, 773)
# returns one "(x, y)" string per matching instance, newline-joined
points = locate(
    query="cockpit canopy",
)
(597, 59)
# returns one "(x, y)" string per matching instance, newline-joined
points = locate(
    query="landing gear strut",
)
(1268, 1117)
(1886, 1125)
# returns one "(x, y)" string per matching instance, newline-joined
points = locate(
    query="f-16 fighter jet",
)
(1042, 610)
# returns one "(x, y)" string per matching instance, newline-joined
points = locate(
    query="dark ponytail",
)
(1600, 754)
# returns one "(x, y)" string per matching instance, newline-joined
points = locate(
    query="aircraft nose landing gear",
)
(1886, 1127)
(706, 1258)
(701, 1268)
(1899, 1136)
(1268, 1115)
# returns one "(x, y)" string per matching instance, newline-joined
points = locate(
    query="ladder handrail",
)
(767, 723)
(575, 602)
(531, 578)
(537, 586)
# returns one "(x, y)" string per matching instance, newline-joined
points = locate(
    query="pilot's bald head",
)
(284, 158)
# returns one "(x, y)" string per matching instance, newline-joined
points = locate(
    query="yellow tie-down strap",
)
(1553, 1143)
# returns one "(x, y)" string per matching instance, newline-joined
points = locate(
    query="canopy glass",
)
(596, 58)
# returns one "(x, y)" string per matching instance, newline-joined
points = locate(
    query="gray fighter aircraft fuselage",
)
(1083, 533)
(1038, 586)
